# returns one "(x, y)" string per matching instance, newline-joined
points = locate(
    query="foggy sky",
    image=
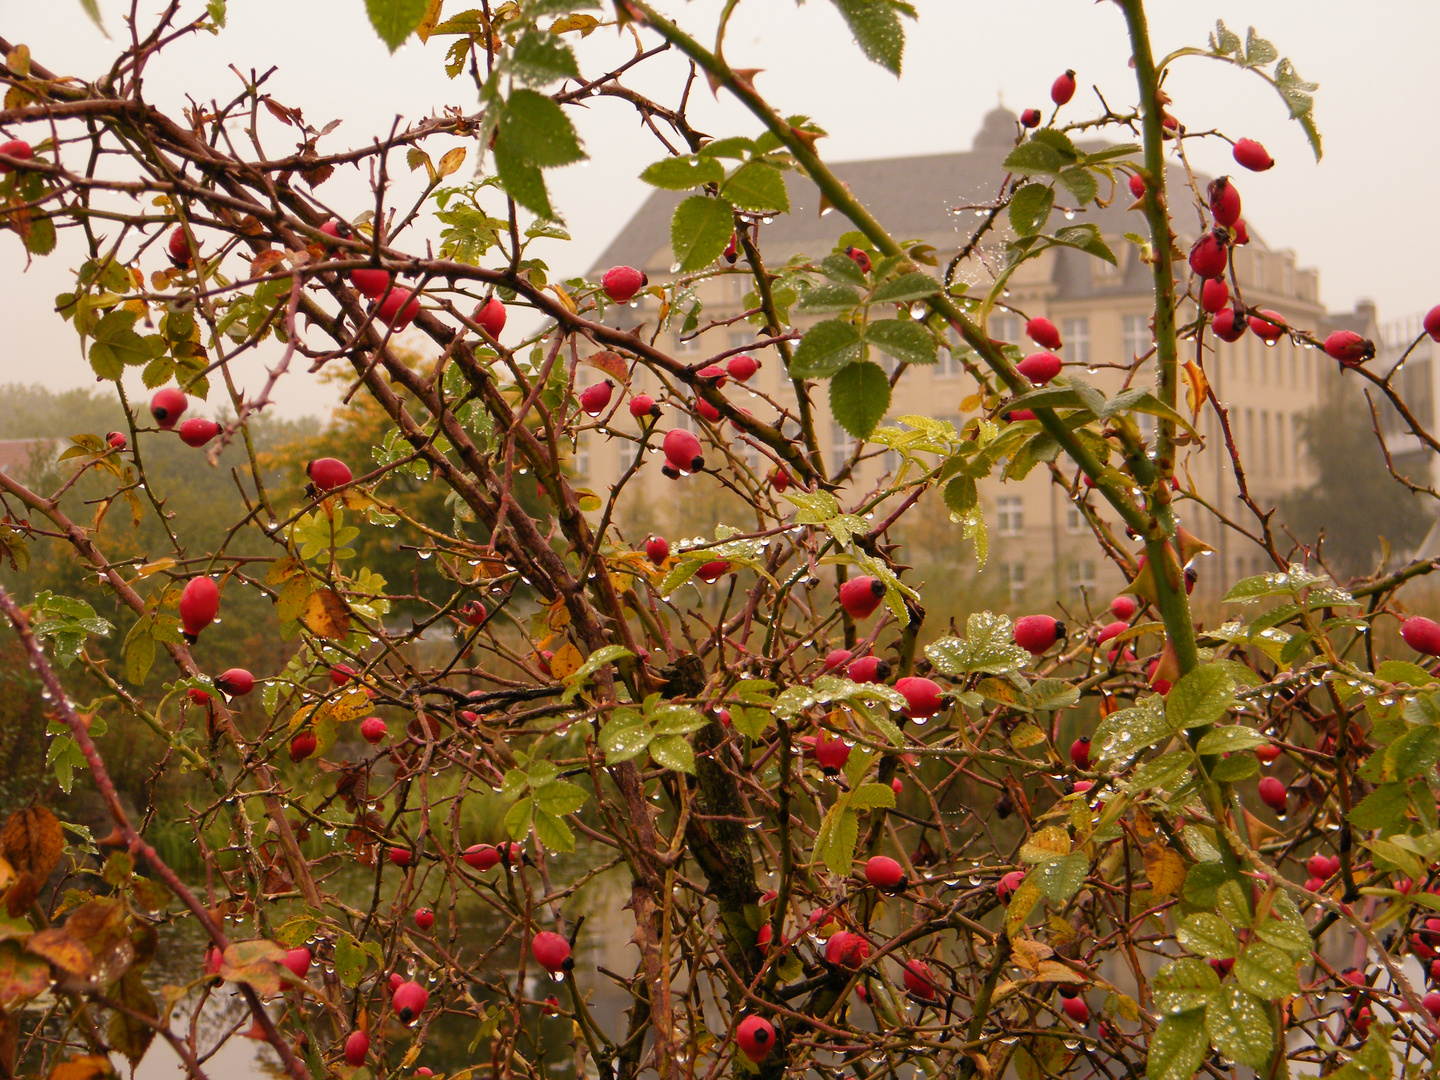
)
(1360, 216)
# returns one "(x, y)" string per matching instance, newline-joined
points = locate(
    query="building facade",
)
(1039, 544)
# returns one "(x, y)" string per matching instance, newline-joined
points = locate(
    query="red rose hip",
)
(167, 406)
(1063, 88)
(622, 282)
(657, 549)
(237, 682)
(373, 729)
(398, 309)
(357, 1047)
(1349, 348)
(199, 604)
(18, 149)
(643, 405)
(923, 698)
(755, 1036)
(551, 951)
(1036, 633)
(424, 918)
(1224, 201)
(197, 431)
(682, 450)
(491, 317)
(1273, 794)
(1251, 155)
(1422, 635)
(1210, 254)
(593, 399)
(302, 746)
(328, 473)
(885, 873)
(409, 1001)
(861, 596)
(1043, 332)
(1039, 367)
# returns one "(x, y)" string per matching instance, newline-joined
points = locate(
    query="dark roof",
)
(913, 197)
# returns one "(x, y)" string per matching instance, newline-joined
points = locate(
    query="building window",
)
(1075, 339)
(841, 446)
(1005, 327)
(740, 339)
(687, 346)
(1082, 578)
(1135, 337)
(1012, 579)
(892, 461)
(1010, 515)
(582, 459)
(1074, 519)
(1280, 443)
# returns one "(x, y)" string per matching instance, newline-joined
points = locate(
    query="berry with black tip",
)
(1043, 332)
(682, 450)
(491, 317)
(236, 682)
(18, 149)
(742, 367)
(1076, 1009)
(593, 399)
(643, 405)
(302, 746)
(370, 284)
(1030, 118)
(472, 611)
(1006, 886)
(868, 669)
(398, 309)
(622, 282)
(1349, 348)
(1036, 633)
(756, 1037)
(197, 431)
(357, 1048)
(713, 571)
(885, 873)
(1273, 794)
(337, 230)
(860, 258)
(1080, 752)
(1422, 635)
(178, 248)
(199, 604)
(1063, 88)
(409, 1001)
(923, 697)
(1210, 254)
(1214, 295)
(551, 951)
(861, 596)
(1230, 324)
(481, 856)
(831, 754)
(328, 473)
(167, 406)
(1040, 367)
(846, 949)
(1251, 155)
(116, 440)
(1224, 199)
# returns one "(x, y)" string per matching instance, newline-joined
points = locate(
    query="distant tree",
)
(1355, 503)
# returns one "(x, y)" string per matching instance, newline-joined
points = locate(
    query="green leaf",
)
(1202, 696)
(905, 289)
(1240, 1028)
(41, 238)
(559, 797)
(904, 339)
(757, 186)
(1087, 238)
(540, 59)
(92, 9)
(876, 26)
(139, 655)
(1267, 972)
(395, 20)
(1289, 937)
(538, 132)
(988, 648)
(1163, 771)
(350, 960)
(683, 173)
(1034, 156)
(1203, 882)
(859, 398)
(826, 348)
(961, 495)
(553, 832)
(1060, 878)
(840, 267)
(1080, 183)
(839, 849)
(623, 739)
(1125, 733)
(827, 298)
(1209, 935)
(1178, 1046)
(733, 146)
(700, 231)
(673, 752)
(1399, 671)
(1235, 768)
(1412, 753)
(215, 9)
(1229, 739)
(1030, 208)
(117, 345)
(873, 797)
(1383, 808)
(522, 180)
(1186, 983)
(518, 818)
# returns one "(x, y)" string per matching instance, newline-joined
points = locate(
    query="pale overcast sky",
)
(1360, 216)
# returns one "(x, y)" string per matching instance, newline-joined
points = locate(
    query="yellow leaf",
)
(557, 617)
(1144, 826)
(155, 567)
(452, 161)
(350, 705)
(1025, 736)
(1028, 953)
(283, 570)
(62, 950)
(33, 841)
(427, 24)
(85, 1067)
(1165, 869)
(612, 364)
(563, 296)
(1195, 386)
(326, 615)
(1021, 904)
(1043, 843)
(566, 661)
(584, 23)
(1054, 971)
